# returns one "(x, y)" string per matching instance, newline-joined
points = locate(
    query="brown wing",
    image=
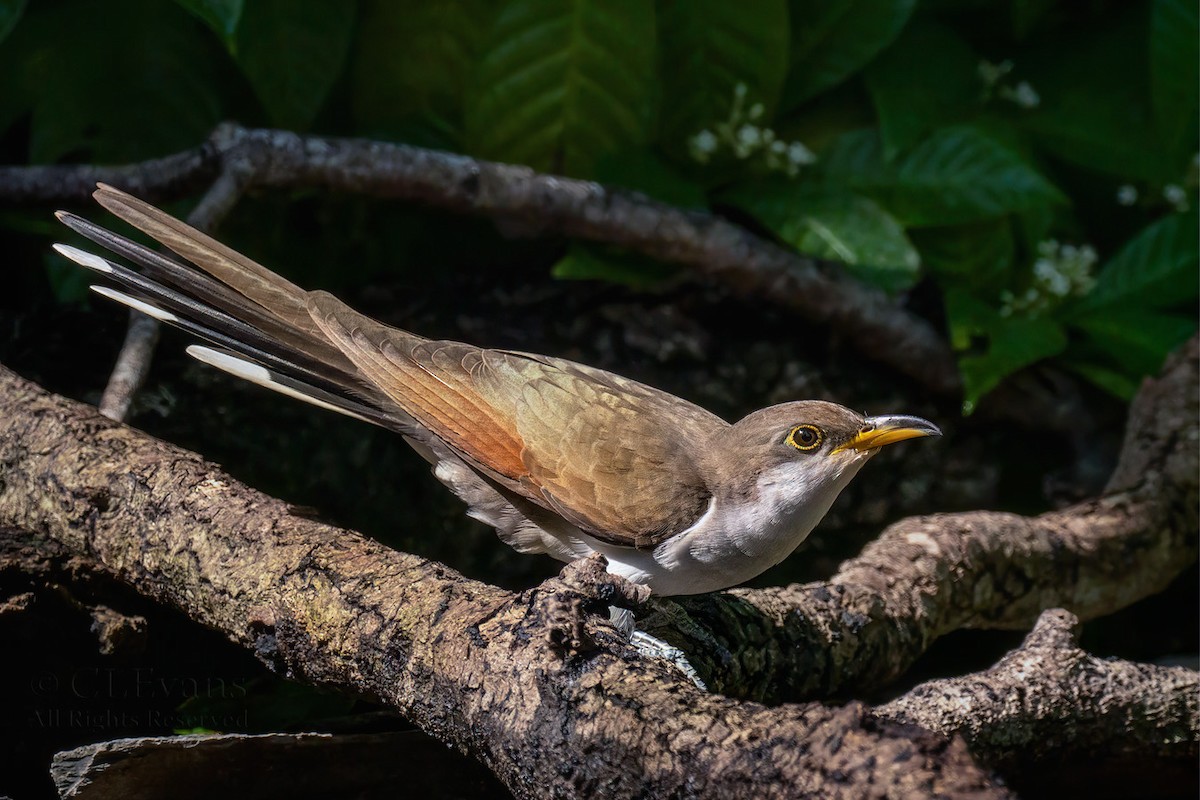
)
(608, 454)
(612, 456)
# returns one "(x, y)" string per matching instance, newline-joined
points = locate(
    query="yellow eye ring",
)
(805, 437)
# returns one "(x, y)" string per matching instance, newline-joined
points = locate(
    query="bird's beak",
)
(879, 431)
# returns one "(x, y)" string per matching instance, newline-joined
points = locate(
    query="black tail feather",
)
(186, 298)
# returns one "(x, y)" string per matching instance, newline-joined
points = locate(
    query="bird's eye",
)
(805, 437)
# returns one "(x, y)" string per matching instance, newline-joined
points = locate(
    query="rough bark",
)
(553, 704)
(926, 576)
(709, 244)
(1050, 697)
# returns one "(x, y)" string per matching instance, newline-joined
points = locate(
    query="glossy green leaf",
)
(832, 41)
(956, 175)
(834, 224)
(1156, 269)
(562, 83)
(10, 15)
(1174, 87)
(412, 66)
(709, 47)
(585, 261)
(220, 15)
(928, 79)
(292, 52)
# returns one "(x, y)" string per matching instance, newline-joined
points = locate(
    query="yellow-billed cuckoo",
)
(559, 457)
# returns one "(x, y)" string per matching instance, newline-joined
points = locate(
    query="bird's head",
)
(808, 451)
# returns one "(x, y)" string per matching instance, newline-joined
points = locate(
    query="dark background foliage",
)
(1022, 173)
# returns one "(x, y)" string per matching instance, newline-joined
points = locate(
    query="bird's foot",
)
(654, 647)
(585, 586)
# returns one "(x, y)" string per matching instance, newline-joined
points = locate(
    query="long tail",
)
(257, 320)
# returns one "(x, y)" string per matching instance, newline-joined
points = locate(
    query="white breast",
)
(736, 541)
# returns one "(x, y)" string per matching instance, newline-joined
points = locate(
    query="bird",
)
(559, 457)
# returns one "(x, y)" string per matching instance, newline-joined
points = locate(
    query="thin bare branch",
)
(712, 246)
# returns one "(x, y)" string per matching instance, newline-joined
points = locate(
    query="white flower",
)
(1059, 285)
(798, 154)
(1127, 195)
(1176, 196)
(1060, 271)
(1025, 96)
(739, 137)
(749, 135)
(705, 141)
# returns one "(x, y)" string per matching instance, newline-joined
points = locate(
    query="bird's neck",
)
(772, 511)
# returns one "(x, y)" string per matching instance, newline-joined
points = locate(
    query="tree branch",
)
(709, 244)
(1050, 697)
(486, 670)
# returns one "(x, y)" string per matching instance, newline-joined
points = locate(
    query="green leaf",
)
(831, 223)
(1156, 269)
(562, 83)
(10, 14)
(412, 65)
(957, 175)
(220, 15)
(585, 261)
(1094, 108)
(643, 171)
(112, 82)
(831, 41)
(1012, 343)
(708, 48)
(292, 51)
(860, 234)
(977, 255)
(1174, 88)
(1137, 340)
(926, 80)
